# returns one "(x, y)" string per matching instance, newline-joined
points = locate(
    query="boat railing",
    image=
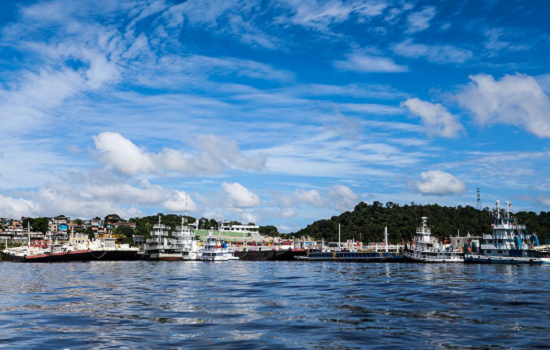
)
(423, 231)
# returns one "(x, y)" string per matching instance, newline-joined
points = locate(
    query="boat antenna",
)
(184, 215)
(29, 233)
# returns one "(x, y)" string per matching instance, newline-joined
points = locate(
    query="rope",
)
(105, 252)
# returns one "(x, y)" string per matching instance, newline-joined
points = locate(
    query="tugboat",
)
(428, 249)
(211, 251)
(159, 247)
(184, 242)
(508, 244)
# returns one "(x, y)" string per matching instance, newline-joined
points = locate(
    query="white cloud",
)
(247, 217)
(311, 197)
(239, 196)
(513, 100)
(419, 21)
(15, 207)
(91, 197)
(439, 183)
(436, 118)
(321, 14)
(215, 155)
(433, 53)
(343, 197)
(369, 64)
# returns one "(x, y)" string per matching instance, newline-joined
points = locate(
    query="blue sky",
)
(274, 112)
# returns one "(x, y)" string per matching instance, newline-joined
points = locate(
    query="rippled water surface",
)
(252, 305)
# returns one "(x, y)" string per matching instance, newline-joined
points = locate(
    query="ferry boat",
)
(159, 247)
(509, 243)
(184, 242)
(211, 251)
(428, 249)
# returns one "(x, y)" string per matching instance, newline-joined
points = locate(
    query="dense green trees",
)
(269, 230)
(367, 221)
(90, 233)
(37, 224)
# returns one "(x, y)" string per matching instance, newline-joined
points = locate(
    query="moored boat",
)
(212, 251)
(159, 246)
(426, 248)
(184, 242)
(509, 243)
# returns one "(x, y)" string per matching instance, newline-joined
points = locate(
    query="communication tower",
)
(478, 199)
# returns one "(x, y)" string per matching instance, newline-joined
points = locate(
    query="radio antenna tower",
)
(478, 200)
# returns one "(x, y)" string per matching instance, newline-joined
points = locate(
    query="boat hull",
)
(81, 255)
(363, 257)
(482, 259)
(408, 256)
(270, 255)
(115, 255)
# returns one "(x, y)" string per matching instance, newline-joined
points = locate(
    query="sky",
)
(275, 112)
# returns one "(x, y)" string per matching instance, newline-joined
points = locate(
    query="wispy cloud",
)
(364, 63)
(420, 20)
(433, 53)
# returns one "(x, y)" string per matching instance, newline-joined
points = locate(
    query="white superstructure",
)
(509, 242)
(159, 246)
(428, 249)
(183, 240)
(212, 251)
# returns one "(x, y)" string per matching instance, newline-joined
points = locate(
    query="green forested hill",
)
(367, 222)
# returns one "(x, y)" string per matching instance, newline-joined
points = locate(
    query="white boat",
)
(159, 246)
(212, 251)
(184, 242)
(428, 249)
(509, 242)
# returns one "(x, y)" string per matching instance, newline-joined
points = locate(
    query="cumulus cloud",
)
(516, 100)
(15, 207)
(90, 198)
(215, 155)
(239, 196)
(419, 21)
(364, 63)
(343, 197)
(433, 53)
(439, 183)
(312, 197)
(436, 118)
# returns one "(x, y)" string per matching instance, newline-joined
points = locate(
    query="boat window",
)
(499, 252)
(488, 251)
(500, 241)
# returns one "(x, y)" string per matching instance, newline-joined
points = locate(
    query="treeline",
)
(367, 221)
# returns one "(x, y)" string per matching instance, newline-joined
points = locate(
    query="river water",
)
(254, 305)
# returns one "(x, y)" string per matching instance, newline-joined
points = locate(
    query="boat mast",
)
(386, 236)
(29, 233)
(339, 237)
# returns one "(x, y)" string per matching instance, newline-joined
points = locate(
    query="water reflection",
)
(278, 304)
